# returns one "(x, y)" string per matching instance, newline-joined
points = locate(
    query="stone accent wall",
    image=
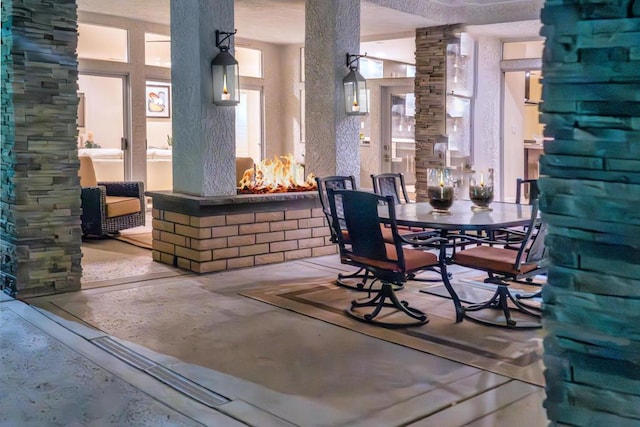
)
(430, 87)
(39, 186)
(591, 199)
(226, 239)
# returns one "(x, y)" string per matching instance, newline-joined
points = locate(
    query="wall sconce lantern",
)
(355, 88)
(224, 73)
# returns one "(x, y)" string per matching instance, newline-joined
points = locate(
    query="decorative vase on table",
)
(481, 190)
(440, 190)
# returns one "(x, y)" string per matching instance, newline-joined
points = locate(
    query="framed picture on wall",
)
(158, 101)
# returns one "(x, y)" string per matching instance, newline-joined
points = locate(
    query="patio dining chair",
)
(503, 265)
(393, 184)
(526, 189)
(361, 241)
(340, 182)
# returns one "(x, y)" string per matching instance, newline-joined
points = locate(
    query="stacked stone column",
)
(39, 185)
(430, 88)
(591, 200)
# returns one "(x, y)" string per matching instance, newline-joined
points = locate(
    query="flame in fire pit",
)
(280, 175)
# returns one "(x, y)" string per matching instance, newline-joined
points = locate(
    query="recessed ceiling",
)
(282, 21)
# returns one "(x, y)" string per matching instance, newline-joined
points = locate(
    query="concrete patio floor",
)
(160, 346)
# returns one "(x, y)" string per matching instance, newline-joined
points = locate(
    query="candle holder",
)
(481, 191)
(440, 190)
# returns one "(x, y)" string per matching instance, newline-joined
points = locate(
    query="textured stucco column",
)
(591, 199)
(203, 133)
(39, 187)
(332, 137)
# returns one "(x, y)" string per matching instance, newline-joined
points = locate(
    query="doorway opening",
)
(522, 130)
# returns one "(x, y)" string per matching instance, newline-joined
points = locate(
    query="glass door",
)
(398, 135)
(522, 131)
(159, 136)
(249, 125)
(101, 124)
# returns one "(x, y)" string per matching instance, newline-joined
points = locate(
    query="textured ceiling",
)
(282, 21)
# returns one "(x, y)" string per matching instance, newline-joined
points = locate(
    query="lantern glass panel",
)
(224, 74)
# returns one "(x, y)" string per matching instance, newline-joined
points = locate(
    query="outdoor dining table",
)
(462, 217)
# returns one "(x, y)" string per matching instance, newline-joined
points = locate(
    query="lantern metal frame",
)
(225, 75)
(356, 101)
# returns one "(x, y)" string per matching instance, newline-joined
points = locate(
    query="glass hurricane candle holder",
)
(440, 190)
(481, 191)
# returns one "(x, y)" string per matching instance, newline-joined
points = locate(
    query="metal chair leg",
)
(386, 298)
(500, 301)
(520, 297)
(358, 286)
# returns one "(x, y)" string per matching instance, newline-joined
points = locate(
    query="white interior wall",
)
(273, 68)
(292, 121)
(486, 139)
(157, 131)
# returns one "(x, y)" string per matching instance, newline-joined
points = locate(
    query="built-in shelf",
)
(459, 92)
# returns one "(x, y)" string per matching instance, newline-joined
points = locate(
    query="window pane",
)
(522, 50)
(249, 125)
(106, 43)
(403, 145)
(249, 61)
(157, 50)
(103, 128)
(371, 68)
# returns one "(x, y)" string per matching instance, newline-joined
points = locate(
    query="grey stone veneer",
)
(430, 87)
(39, 188)
(591, 199)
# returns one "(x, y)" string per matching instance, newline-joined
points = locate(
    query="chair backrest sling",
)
(336, 182)
(390, 184)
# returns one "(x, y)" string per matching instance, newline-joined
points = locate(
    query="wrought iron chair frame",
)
(533, 193)
(340, 182)
(390, 184)
(366, 247)
(530, 252)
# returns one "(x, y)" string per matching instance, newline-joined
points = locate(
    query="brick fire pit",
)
(206, 234)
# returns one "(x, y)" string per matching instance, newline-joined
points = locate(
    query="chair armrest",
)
(432, 242)
(124, 189)
(93, 199)
(465, 239)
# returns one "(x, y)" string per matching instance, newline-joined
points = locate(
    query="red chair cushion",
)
(491, 258)
(415, 259)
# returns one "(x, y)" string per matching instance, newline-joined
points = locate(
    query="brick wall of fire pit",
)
(207, 234)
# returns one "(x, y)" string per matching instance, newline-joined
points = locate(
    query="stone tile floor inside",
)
(146, 344)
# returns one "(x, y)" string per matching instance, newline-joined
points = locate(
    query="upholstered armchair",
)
(108, 207)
